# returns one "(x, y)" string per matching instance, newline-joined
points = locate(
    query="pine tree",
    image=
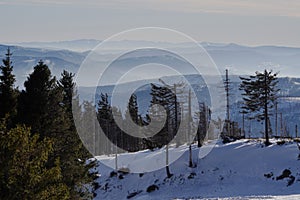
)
(88, 126)
(115, 132)
(133, 144)
(259, 96)
(8, 94)
(165, 97)
(76, 172)
(108, 125)
(104, 108)
(38, 104)
(25, 172)
(45, 106)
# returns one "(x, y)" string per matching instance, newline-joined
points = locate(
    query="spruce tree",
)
(132, 112)
(260, 94)
(105, 119)
(8, 94)
(133, 109)
(36, 107)
(104, 108)
(165, 97)
(45, 106)
(88, 128)
(114, 133)
(25, 172)
(76, 172)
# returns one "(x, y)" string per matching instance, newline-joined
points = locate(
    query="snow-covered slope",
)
(244, 169)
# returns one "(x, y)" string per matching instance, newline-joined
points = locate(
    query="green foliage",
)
(25, 171)
(165, 97)
(105, 119)
(46, 106)
(8, 94)
(104, 108)
(75, 171)
(132, 112)
(259, 96)
(259, 90)
(39, 103)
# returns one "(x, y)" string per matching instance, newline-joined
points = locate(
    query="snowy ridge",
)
(244, 169)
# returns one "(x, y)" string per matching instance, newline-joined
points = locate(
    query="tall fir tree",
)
(88, 126)
(39, 104)
(8, 94)
(260, 93)
(76, 172)
(104, 116)
(165, 97)
(132, 112)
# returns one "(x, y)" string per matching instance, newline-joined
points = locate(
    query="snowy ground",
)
(244, 169)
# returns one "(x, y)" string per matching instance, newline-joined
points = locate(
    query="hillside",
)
(244, 169)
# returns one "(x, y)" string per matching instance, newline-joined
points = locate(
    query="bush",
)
(152, 188)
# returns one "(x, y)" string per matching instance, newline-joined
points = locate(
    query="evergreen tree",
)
(165, 97)
(75, 171)
(67, 84)
(8, 94)
(45, 106)
(25, 173)
(259, 96)
(39, 104)
(133, 109)
(133, 144)
(88, 126)
(105, 119)
(104, 108)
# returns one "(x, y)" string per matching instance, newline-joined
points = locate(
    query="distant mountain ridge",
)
(72, 45)
(237, 58)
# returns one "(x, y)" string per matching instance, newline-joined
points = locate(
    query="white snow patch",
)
(231, 171)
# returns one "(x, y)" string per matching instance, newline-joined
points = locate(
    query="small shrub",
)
(192, 175)
(133, 194)
(152, 188)
(113, 174)
(269, 175)
(285, 174)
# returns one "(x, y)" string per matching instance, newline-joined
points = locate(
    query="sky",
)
(246, 22)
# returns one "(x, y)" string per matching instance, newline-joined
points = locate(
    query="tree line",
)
(114, 135)
(41, 155)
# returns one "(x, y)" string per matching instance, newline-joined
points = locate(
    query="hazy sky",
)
(250, 22)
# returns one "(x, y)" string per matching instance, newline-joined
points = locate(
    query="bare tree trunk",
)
(189, 129)
(266, 111)
(190, 157)
(169, 175)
